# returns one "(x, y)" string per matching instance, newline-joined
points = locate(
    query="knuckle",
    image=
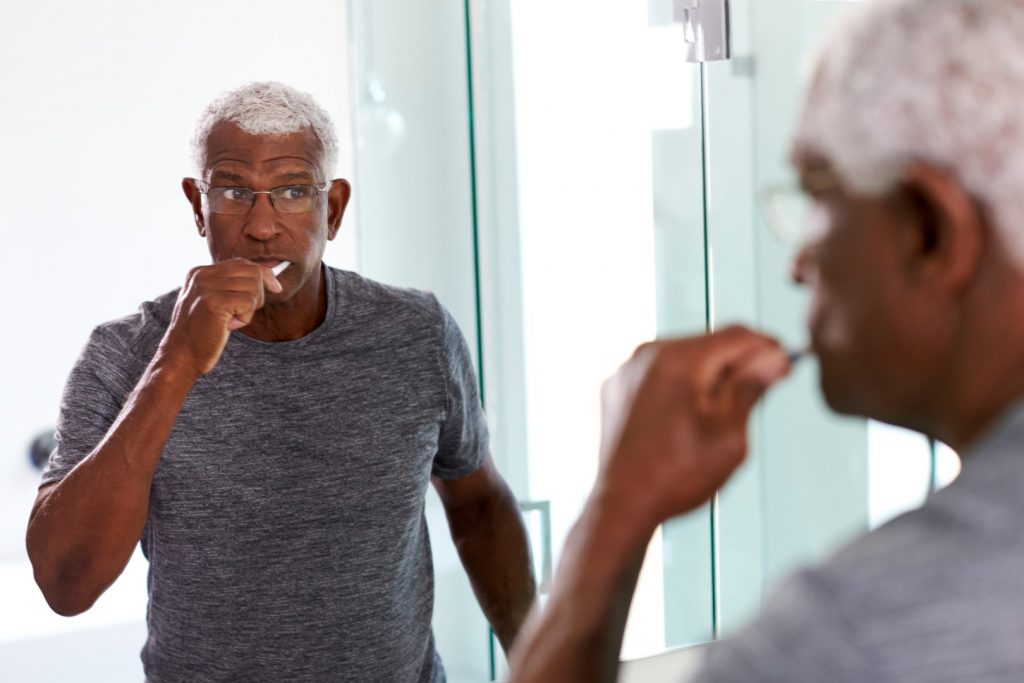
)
(735, 331)
(665, 359)
(648, 349)
(736, 445)
(194, 274)
(608, 389)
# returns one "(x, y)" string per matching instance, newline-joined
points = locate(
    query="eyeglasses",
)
(238, 200)
(789, 209)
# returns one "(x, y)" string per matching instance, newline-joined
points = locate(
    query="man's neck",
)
(986, 381)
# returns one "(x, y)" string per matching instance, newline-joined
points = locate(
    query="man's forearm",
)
(83, 531)
(494, 549)
(578, 636)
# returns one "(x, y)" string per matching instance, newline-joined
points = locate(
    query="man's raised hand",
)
(675, 420)
(215, 301)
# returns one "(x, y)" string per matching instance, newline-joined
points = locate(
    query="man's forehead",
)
(228, 146)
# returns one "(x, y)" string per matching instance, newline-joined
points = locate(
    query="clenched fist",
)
(675, 419)
(215, 301)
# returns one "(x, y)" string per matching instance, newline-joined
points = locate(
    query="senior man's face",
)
(264, 234)
(870, 324)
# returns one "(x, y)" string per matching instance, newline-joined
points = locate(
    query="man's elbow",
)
(61, 583)
(480, 515)
(62, 595)
(65, 607)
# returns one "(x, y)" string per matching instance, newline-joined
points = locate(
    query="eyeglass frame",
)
(817, 181)
(200, 184)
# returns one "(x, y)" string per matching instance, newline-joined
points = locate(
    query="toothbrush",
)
(796, 354)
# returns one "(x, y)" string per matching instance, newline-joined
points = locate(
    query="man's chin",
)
(839, 397)
(274, 298)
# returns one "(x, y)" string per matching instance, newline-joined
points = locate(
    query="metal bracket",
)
(543, 508)
(706, 28)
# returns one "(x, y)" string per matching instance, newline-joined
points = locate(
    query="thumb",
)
(270, 280)
(762, 371)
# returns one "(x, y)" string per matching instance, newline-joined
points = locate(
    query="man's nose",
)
(800, 269)
(261, 221)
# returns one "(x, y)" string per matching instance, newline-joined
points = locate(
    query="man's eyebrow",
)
(226, 175)
(818, 180)
(296, 175)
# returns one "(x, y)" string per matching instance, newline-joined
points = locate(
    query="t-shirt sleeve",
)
(802, 636)
(462, 443)
(92, 400)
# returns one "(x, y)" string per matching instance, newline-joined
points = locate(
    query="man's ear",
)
(195, 198)
(338, 195)
(947, 231)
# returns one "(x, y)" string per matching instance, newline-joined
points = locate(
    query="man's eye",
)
(234, 194)
(296, 192)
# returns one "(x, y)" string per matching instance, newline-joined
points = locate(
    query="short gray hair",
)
(934, 81)
(267, 108)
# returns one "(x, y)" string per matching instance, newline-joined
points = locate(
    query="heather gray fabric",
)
(286, 535)
(936, 595)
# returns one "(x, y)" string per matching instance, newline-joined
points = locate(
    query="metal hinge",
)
(706, 28)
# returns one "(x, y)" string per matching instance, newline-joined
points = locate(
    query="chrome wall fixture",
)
(706, 28)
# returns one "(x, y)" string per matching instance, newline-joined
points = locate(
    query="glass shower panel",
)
(812, 479)
(731, 218)
(589, 182)
(804, 487)
(600, 191)
(682, 296)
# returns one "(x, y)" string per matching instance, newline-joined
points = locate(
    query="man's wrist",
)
(611, 532)
(174, 368)
(625, 514)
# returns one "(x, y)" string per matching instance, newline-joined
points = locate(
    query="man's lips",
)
(276, 265)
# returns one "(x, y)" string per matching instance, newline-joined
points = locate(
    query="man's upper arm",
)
(41, 495)
(463, 437)
(802, 636)
(469, 491)
(88, 407)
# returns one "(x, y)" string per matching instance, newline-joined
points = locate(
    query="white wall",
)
(99, 99)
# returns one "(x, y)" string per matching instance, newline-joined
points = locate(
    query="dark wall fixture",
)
(41, 447)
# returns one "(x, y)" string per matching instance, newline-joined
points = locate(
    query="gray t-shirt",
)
(286, 536)
(935, 595)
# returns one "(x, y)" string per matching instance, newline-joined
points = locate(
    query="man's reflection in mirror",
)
(268, 432)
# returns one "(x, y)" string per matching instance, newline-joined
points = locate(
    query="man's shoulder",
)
(140, 332)
(958, 528)
(917, 551)
(358, 293)
(917, 562)
(930, 595)
(836, 620)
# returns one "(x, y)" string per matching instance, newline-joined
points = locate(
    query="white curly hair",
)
(935, 81)
(267, 108)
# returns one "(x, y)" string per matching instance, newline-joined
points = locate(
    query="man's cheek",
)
(827, 322)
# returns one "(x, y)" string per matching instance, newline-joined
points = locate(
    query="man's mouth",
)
(268, 261)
